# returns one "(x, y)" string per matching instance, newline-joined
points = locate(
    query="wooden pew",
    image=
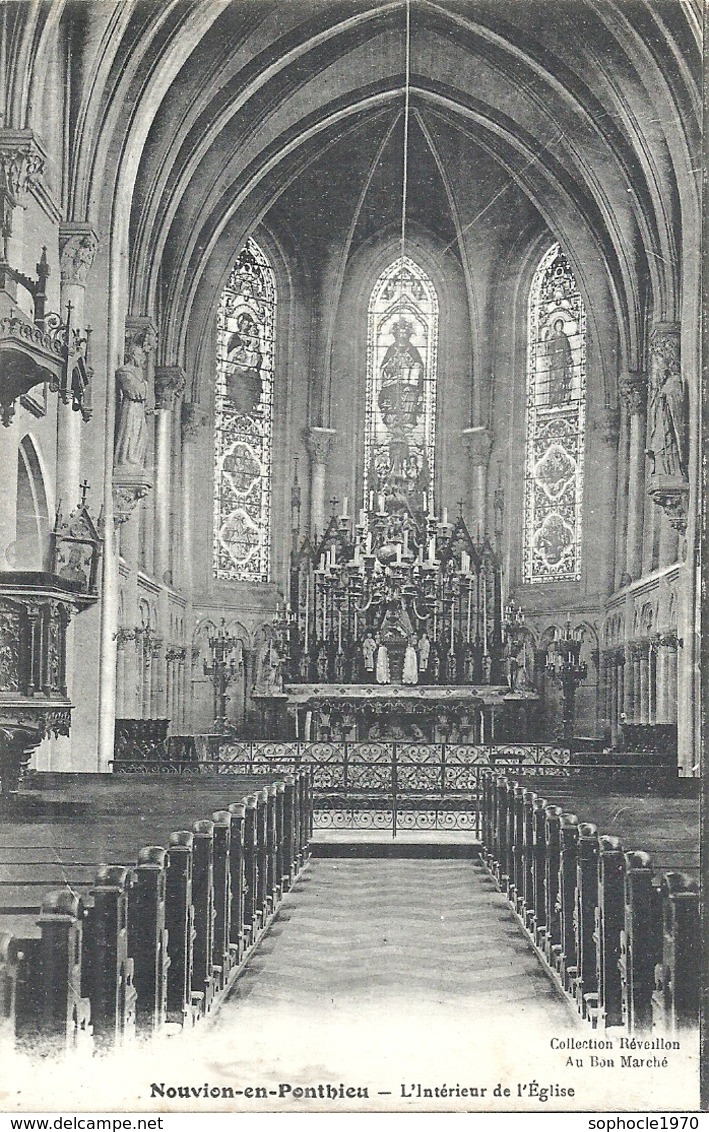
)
(157, 939)
(619, 929)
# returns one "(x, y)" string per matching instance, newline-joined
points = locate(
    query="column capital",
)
(169, 383)
(78, 244)
(633, 389)
(22, 162)
(141, 331)
(194, 418)
(478, 442)
(318, 441)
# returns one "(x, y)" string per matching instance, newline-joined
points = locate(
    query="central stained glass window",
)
(556, 417)
(400, 411)
(243, 420)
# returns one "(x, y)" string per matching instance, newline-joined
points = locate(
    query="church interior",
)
(351, 407)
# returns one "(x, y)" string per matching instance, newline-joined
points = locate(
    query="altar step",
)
(416, 844)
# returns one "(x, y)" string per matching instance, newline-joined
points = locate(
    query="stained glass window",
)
(556, 408)
(243, 419)
(400, 412)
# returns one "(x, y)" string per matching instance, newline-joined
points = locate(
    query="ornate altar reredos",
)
(393, 630)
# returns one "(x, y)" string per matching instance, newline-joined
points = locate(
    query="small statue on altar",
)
(369, 649)
(452, 667)
(469, 663)
(304, 664)
(487, 669)
(321, 662)
(411, 670)
(424, 653)
(383, 675)
(340, 666)
(512, 670)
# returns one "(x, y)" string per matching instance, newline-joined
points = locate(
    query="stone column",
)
(478, 442)
(644, 661)
(605, 431)
(318, 443)
(169, 383)
(621, 534)
(129, 553)
(629, 685)
(194, 418)
(158, 680)
(672, 688)
(78, 244)
(9, 444)
(637, 685)
(633, 388)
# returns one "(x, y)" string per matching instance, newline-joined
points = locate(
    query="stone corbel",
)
(194, 418)
(129, 487)
(22, 162)
(169, 383)
(78, 244)
(671, 493)
(633, 389)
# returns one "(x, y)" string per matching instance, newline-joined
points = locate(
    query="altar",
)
(424, 713)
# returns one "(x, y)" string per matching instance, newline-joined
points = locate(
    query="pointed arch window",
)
(556, 418)
(243, 419)
(400, 410)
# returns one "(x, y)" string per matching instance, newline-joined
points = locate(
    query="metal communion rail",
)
(383, 786)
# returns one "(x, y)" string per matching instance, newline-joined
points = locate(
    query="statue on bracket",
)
(132, 438)
(667, 409)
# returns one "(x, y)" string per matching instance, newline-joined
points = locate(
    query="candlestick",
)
(484, 616)
(371, 501)
(406, 542)
(362, 516)
(470, 602)
(345, 508)
(398, 554)
(368, 547)
(445, 516)
(307, 610)
(431, 548)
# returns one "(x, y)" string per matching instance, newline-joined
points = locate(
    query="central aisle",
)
(395, 934)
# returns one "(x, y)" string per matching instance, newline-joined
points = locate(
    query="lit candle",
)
(371, 501)
(425, 502)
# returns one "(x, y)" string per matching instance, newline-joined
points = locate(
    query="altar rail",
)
(620, 933)
(92, 955)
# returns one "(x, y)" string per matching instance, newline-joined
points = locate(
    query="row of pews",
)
(93, 955)
(610, 905)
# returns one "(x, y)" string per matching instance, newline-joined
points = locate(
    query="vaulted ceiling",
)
(192, 120)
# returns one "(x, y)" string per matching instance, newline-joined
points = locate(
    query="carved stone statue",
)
(132, 438)
(77, 257)
(667, 409)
